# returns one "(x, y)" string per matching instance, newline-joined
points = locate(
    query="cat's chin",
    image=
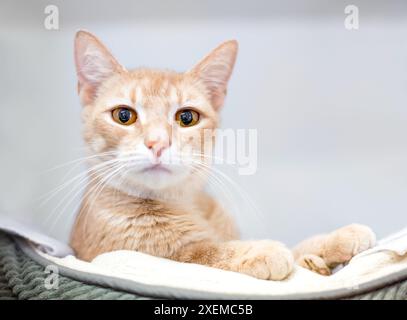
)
(157, 170)
(159, 177)
(176, 194)
(159, 183)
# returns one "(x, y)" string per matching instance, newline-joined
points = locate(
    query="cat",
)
(137, 199)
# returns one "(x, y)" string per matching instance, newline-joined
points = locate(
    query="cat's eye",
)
(124, 115)
(187, 117)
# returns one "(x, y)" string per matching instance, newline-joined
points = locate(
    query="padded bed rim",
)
(177, 293)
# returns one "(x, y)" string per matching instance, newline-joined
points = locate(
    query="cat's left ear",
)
(215, 70)
(94, 64)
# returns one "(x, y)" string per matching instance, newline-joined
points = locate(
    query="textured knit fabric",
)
(23, 278)
(397, 291)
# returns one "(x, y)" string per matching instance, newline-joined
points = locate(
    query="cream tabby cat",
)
(138, 198)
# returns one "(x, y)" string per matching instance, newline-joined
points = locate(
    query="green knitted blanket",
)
(23, 278)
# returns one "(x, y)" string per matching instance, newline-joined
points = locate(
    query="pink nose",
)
(157, 147)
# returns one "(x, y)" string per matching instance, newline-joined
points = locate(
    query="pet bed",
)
(379, 273)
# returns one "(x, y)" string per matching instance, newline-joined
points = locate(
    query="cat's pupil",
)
(186, 117)
(124, 115)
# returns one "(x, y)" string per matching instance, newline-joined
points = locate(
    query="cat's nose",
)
(157, 146)
(157, 139)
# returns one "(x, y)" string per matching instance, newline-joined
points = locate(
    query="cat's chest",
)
(154, 234)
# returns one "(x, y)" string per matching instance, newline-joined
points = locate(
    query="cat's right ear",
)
(94, 64)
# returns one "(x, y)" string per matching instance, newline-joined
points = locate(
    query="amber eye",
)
(124, 115)
(187, 117)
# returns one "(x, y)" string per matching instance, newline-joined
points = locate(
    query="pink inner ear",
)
(82, 42)
(216, 76)
(86, 87)
(94, 64)
(215, 71)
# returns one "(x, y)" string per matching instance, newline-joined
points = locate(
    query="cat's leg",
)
(268, 260)
(218, 219)
(222, 223)
(335, 248)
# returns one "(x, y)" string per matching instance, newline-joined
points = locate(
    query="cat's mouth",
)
(156, 168)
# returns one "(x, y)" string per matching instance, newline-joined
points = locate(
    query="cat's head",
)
(147, 130)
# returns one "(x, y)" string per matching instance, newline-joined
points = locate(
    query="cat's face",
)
(147, 131)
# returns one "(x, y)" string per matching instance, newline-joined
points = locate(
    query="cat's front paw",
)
(344, 243)
(267, 260)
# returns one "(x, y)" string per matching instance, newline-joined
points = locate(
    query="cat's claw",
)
(314, 263)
